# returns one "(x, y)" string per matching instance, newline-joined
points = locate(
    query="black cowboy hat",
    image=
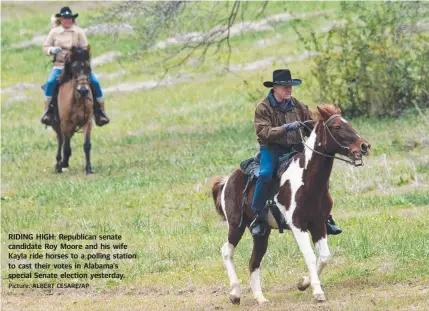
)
(66, 12)
(282, 77)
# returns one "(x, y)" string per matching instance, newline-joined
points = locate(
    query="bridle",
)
(82, 79)
(352, 161)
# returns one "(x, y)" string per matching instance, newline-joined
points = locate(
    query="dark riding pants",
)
(53, 78)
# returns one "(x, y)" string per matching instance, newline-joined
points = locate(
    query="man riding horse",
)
(59, 42)
(277, 121)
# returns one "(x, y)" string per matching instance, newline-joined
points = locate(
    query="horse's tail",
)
(218, 184)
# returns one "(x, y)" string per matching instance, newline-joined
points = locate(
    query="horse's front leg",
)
(87, 146)
(60, 141)
(324, 256)
(67, 153)
(303, 240)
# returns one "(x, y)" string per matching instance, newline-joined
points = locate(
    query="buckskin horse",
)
(75, 107)
(303, 199)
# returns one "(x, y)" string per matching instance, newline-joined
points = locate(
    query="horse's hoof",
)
(303, 283)
(58, 169)
(234, 299)
(65, 169)
(262, 301)
(89, 172)
(319, 297)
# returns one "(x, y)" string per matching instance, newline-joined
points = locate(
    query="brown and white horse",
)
(75, 107)
(303, 198)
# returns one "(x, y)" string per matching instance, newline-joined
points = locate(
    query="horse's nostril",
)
(364, 148)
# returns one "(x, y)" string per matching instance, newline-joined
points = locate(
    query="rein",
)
(76, 81)
(355, 163)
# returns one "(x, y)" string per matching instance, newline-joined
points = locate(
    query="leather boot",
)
(259, 225)
(331, 227)
(48, 117)
(100, 116)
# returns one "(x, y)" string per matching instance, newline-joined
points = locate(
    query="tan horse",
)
(303, 198)
(75, 107)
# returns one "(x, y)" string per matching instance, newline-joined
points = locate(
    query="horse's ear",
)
(337, 109)
(325, 115)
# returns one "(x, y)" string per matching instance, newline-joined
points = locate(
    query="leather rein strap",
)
(352, 162)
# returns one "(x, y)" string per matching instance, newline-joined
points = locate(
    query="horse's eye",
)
(337, 127)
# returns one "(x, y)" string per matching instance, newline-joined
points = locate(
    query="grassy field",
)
(153, 166)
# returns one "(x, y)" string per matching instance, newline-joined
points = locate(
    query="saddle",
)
(251, 168)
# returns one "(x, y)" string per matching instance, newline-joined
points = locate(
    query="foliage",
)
(374, 60)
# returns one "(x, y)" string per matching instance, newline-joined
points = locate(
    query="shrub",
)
(374, 60)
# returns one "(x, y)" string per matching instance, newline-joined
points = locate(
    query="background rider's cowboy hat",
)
(66, 12)
(282, 77)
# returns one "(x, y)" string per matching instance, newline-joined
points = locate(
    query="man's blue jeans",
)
(268, 164)
(52, 82)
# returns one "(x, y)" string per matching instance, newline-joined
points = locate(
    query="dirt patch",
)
(403, 296)
(19, 87)
(109, 29)
(146, 85)
(266, 62)
(111, 75)
(236, 29)
(105, 58)
(16, 99)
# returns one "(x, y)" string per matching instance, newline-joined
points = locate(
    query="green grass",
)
(151, 184)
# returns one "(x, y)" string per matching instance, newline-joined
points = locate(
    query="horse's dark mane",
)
(76, 54)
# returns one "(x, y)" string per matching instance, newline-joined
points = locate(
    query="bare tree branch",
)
(170, 26)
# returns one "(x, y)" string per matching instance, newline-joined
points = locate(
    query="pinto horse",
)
(75, 107)
(303, 198)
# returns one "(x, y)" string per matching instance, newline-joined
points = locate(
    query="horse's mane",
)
(76, 54)
(328, 110)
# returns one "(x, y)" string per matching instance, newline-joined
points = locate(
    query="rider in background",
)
(60, 40)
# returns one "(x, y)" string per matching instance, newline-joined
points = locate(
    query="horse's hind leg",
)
(87, 147)
(67, 153)
(234, 236)
(260, 244)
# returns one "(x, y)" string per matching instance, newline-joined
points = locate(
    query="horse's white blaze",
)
(227, 256)
(255, 284)
(222, 199)
(324, 254)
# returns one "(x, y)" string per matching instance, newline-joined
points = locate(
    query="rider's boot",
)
(259, 225)
(48, 117)
(331, 226)
(100, 115)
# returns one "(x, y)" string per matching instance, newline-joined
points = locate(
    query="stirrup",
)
(98, 114)
(332, 228)
(258, 227)
(48, 118)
